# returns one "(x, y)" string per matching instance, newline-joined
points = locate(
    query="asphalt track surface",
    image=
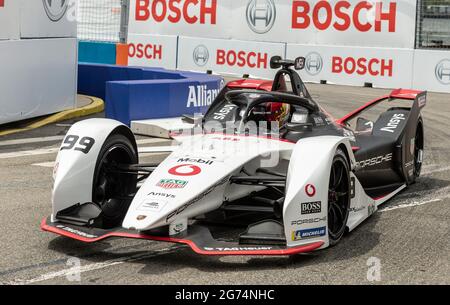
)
(409, 235)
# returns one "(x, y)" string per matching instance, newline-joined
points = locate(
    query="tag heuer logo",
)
(55, 9)
(172, 184)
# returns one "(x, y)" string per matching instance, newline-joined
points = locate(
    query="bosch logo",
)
(185, 170)
(310, 190)
(443, 71)
(261, 15)
(55, 9)
(314, 63)
(201, 55)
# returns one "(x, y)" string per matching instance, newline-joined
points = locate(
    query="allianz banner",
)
(376, 23)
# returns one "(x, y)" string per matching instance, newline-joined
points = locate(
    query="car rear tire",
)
(338, 197)
(111, 190)
(418, 151)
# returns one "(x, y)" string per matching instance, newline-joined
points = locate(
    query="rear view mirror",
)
(275, 62)
(299, 63)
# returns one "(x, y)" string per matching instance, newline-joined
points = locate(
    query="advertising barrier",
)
(432, 70)
(388, 68)
(33, 87)
(9, 16)
(381, 23)
(48, 18)
(133, 93)
(228, 56)
(152, 51)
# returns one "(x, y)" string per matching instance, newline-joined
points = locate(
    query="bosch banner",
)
(152, 51)
(355, 66)
(376, 23)
(228, 56)
(200, 18)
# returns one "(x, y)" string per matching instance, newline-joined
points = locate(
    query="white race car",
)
(234, 186)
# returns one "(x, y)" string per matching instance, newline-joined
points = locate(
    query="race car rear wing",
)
(419, 97)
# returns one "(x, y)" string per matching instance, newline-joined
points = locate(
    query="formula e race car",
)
(266, 171)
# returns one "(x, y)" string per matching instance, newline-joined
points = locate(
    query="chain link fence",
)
(433, 24)
(103, 20)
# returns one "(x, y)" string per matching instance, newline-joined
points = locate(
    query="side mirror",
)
(275, 62)
(299, 63)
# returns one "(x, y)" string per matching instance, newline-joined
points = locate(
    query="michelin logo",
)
(201, 96)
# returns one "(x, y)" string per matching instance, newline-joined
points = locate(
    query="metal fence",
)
(433, 24)
(103, 20)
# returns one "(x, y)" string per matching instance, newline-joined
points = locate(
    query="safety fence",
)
(433, 24)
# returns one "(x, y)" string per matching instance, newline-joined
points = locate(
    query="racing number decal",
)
(84, 145)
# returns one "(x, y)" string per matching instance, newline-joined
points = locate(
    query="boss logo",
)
(311, 207)
(55, 9)
(442, 72)
(261, 15)
(201, 55)
(314, 63)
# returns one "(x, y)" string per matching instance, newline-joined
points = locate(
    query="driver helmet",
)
(278, 112)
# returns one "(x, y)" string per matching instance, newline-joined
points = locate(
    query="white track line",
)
(31, 140)
(91, 267)
(45, 164)
(410, 205)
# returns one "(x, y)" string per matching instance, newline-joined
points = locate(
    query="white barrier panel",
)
(9, 16)
(37, 77)
(152, 51)
(382, 23)
(387, 68)
(48, 18)
(228, 56)
(432, 70)
(200, 18)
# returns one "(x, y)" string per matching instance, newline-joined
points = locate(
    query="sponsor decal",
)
(394, 122)
(175, 11)
(422, 101)
(362, 66)
(198, 198)
(442, 71)
(242, 59)
(343, 15)
(374, 161)
(201, 96)
(262, 248)
(75, 231)
(222, 113)
(152, 204)
(308, 233)
(310, 190)
(310, 220)
(313, 63)
(55, 9)
(192, 160)
(311, 207)
(231, 139)
(261, 15)
(201, 55)
(357, 209)
(171, 184)
(164, 195)
(185, 170)
(148, 51)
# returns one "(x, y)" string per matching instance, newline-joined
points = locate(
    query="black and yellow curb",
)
(96, 105)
